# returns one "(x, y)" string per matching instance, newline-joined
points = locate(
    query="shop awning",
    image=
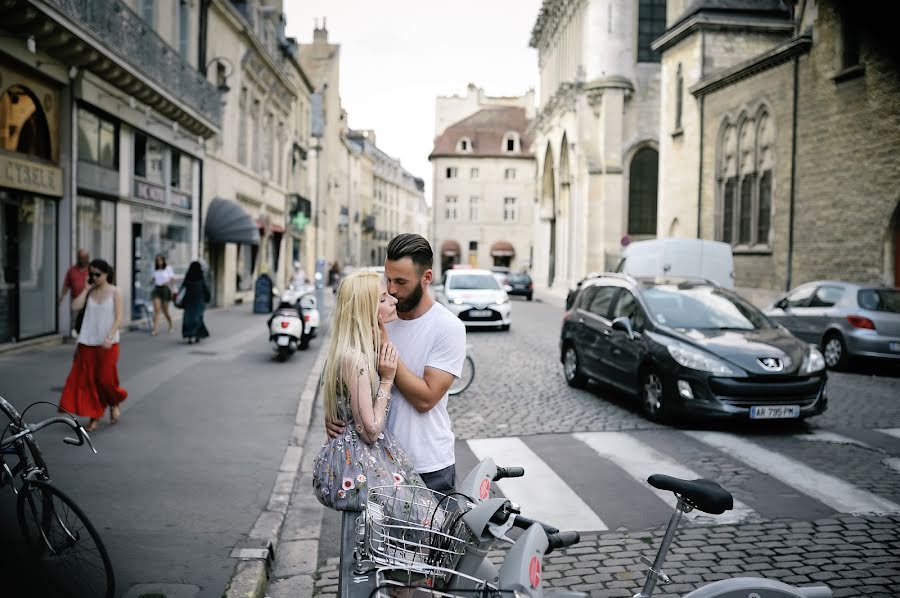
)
(503, 249)
(450, 247)
(228, 222)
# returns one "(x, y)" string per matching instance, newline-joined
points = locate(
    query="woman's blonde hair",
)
(354, 329)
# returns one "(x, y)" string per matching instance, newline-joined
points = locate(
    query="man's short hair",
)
(413, 246)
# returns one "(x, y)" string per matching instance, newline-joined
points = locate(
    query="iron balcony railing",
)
(128, 36)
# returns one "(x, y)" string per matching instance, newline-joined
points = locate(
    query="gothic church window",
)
(651, 25)
(679, 98)
(642, 186)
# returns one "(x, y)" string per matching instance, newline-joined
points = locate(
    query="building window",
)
(728, 210)
(473, 208)
(149, 154)
(765, 207)
(511, 142)
(851, 40)
(509, 174)
(642, 183)
(510, 214)
(473, 173)
(184, 27)
(473, 245)
(181, 171)
(451, 212)
(242, 128)
(451, 172)
(95, 226)
(147, 10)
(96, 140)
(464, 145)
(651, 25)
(746, 215)
(679, 98)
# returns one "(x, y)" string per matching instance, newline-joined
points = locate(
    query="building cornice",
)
(718, 22)
(551, 16)
(778, 55)
(517, 156)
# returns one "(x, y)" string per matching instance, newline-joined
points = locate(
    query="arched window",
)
(464, 145)
(25, 128)
(642, 192)
(511, 142)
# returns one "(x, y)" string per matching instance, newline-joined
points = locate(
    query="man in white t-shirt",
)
(431, 343)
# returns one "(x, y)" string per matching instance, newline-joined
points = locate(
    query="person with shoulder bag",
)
(93, 381)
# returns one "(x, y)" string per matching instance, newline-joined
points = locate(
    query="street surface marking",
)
(834, 492)
(541, 493)
(832, 437)
(895, 432)
(640, 461)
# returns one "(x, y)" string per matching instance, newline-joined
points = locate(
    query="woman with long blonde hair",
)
(359, 374)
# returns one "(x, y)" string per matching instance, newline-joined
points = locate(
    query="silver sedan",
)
(846, 320)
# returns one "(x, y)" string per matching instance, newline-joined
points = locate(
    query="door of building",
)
(9, 262)
(139, 297)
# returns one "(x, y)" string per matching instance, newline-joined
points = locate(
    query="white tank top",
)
(98, 319)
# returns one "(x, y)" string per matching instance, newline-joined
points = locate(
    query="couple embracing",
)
(393, 355)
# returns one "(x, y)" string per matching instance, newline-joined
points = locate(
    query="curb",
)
(256, 553)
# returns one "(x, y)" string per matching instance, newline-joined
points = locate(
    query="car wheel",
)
(652, 395)
(529, 296)
(835, 351)
(571, 370)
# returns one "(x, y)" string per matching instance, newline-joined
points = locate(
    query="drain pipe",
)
(790, 248)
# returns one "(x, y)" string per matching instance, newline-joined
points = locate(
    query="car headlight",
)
(457, 301)
(502, 299)
(698, 360)
(813, 362)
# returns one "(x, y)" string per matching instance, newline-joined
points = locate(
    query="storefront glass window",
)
(96, 140)
(95, 227)
(37, 266)
(245, 259)
(161, 232)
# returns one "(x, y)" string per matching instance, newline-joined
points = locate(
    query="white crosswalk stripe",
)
(895, 432)
(640, 461)
(541, 493)
(832, 491)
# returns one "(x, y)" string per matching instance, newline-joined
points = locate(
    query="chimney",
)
(320, 35)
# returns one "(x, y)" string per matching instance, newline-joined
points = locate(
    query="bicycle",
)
(57, 532)
(466, 376)
(462, 568)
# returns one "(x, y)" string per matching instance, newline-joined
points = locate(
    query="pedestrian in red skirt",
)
(93, 382)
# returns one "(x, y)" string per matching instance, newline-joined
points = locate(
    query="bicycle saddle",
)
(703, 495)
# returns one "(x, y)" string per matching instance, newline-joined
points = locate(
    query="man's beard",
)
(411, 302)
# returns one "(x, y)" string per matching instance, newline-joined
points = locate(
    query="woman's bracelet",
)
(382, 394)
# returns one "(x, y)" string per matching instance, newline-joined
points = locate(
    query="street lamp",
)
(224, 69)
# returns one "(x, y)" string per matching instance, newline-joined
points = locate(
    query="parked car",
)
(519, 283)
(689, 347)
(476, 297)
(846, 320)
(711, 260)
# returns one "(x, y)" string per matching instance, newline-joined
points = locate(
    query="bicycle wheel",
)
(62, 539)
(465, 377)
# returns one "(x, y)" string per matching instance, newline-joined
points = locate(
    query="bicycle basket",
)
(392, 582)
(414, 529)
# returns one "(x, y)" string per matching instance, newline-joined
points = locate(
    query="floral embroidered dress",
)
(347, 466)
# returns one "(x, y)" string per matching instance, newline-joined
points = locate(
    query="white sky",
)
(397, 56)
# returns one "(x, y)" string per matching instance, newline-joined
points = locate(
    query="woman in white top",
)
(93, 382)
(162, 292)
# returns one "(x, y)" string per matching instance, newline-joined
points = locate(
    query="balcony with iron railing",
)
(109, 39)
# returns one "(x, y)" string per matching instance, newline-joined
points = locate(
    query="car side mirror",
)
(623, 324)
(782, 305)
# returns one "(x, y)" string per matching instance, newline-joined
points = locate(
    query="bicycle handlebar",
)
(562, 539)
(523, 522)
(59, 419)
(509, 472)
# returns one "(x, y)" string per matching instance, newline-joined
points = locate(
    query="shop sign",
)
(180, 200)
(30, 176)
(149, 192)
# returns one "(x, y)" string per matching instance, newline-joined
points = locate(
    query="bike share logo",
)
(534, 572)
(485, 489)
(771, 364)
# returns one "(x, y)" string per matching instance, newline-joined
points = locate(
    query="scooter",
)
(287, 331)
(303, 299)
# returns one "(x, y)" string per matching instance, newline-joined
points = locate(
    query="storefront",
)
(31, 184)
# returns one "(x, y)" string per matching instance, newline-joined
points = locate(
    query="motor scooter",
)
(287, 330)
(303, 299)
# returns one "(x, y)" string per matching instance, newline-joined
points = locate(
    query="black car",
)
(685, 346)
(520, 284)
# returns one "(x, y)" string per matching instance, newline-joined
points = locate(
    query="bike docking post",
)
(350, 552)
(655, 571)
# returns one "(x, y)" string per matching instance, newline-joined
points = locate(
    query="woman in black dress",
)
(196, 296)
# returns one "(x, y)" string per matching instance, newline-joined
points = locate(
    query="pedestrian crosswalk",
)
(595, 481)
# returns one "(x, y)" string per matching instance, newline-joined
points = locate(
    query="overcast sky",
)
(397, 56)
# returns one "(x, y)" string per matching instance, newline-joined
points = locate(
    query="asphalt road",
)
(182, 477)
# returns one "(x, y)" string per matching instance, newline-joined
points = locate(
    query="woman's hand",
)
(107, 344)
(387, 362)
(383, 330)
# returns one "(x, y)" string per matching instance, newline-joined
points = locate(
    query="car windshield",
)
(879, 300)
(701, 306)
(461, 282)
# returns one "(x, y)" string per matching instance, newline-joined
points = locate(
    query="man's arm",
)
(423, 393)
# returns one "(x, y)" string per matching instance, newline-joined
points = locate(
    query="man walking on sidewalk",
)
(74, 282)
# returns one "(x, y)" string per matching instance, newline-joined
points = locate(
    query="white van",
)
(711, 260)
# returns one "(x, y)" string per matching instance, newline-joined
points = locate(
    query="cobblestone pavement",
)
(519, 391)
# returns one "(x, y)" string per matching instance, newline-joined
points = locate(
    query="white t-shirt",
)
(163, 277)
(437, 339)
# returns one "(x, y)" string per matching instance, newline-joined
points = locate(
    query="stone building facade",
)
(483, 181)
(595, 134)
(788, 140)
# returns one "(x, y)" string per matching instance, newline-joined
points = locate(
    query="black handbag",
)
(80, 317)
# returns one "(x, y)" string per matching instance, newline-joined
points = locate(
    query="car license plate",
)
(480, 313)
(775, 412)
(283, 341)
(895, 347)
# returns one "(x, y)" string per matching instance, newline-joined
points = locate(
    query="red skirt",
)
(93, 382)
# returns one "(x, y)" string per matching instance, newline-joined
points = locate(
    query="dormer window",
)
(464, 145)
(511, 142)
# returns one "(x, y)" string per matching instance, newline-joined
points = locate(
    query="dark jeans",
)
(442, 480)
